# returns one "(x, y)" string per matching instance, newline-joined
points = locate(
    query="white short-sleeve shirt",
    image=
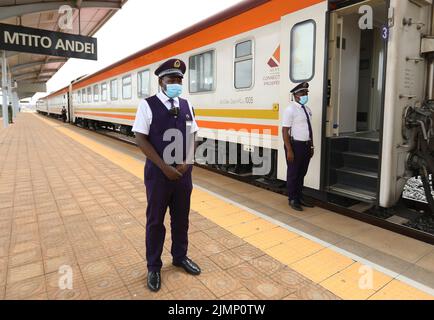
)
(295, 119)
(143, 120)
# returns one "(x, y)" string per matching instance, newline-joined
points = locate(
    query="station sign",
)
(51, 43)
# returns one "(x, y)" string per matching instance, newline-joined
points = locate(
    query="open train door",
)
(303, 42)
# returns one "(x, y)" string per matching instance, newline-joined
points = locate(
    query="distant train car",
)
(41, 106)
(363, 61)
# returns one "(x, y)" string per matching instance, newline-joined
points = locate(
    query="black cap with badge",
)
(304, 86)
(175, 67)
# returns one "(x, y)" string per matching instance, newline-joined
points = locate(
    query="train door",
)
(302, 59)
(356, 67)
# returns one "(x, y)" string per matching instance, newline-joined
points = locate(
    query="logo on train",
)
(274, 61)
(272, 76)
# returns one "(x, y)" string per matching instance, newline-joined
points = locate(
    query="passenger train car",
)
(364, 63)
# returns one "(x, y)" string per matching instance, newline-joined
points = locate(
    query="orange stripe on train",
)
(251, 128)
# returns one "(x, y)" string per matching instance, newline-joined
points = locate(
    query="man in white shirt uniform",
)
(168, 182)
(298, 139)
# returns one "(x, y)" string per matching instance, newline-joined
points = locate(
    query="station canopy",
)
(30, 71)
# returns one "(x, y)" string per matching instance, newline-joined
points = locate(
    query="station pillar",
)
(4, 90)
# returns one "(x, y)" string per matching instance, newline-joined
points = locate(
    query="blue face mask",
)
(304, 100)
(173, 90)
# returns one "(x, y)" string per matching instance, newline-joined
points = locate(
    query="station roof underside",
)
(32, 71)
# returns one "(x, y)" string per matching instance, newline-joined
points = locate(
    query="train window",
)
(104, 91)
(143, 84)
(243, 65)
(114, 89)
(89, 94)
(79, 96)
(126, 87)
(83, 95)
(201, 71)
(303, 51)
(96, 92)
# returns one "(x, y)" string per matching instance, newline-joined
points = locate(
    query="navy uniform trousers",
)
(163, 193)
(297, 169)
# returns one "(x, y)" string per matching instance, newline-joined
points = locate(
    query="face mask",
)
(304, 100)
(173, 90)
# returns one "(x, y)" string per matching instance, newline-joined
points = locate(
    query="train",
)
(371, 74)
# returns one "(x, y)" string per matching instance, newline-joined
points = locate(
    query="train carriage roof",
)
(237, 19)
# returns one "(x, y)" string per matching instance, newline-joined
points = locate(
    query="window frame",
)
(292, 47)
(89, 94)
(214, 60)
(139, 86)
(106, 91)
(116, 81)
(96, 96)
(123, 86)
(236, 60)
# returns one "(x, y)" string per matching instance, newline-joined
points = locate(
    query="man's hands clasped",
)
(175, 173)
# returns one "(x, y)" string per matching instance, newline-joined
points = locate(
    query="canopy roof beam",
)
(23, 9)
(36, 63)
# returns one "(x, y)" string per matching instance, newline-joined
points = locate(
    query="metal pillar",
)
(10, 96)
(15, 102)
(4, 91)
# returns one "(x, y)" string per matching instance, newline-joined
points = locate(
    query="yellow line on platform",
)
(334, 271)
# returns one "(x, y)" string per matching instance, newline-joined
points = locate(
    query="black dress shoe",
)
(189, 266)
(295, 205)
(306, 204)
(154, 280)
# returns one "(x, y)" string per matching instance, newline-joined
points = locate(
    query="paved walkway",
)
(66, 199)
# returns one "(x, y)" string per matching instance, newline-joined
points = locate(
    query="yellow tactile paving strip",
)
(331, 270)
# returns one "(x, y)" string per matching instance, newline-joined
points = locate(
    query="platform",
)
(72, 197)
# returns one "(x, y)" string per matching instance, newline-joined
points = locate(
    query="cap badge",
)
(177, 64)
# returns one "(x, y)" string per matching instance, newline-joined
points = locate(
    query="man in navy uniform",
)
(167, 184)
(298, 139)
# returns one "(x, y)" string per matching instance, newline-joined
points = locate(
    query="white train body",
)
(337, 80)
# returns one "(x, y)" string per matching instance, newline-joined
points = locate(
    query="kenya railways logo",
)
(275, 59)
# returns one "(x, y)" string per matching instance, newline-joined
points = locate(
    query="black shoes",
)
(306, 204)
(154, 277)
(189, 266)
(154, 280)
(296, 205)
